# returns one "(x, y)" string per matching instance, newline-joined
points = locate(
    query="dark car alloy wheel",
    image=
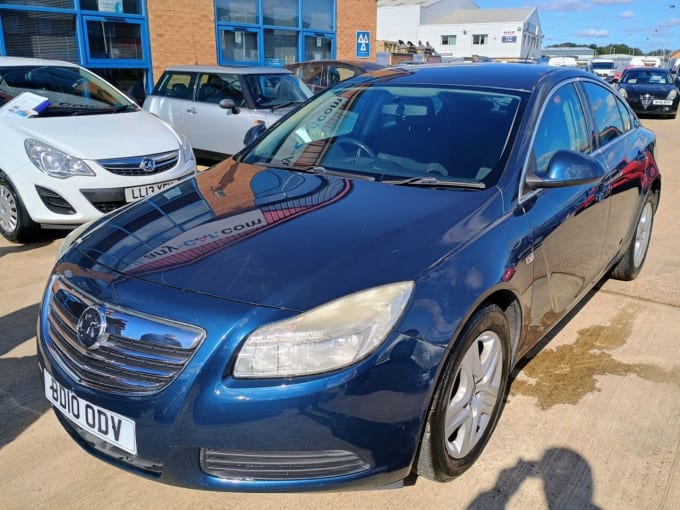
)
(630, 265)
(470, 397)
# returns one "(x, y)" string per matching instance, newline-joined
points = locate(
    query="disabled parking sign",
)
(363, 44)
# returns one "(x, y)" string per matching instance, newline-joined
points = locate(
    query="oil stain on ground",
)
(568, 373)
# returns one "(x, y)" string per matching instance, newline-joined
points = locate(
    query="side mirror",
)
(567, 168)
(229, 104)
(254, 133)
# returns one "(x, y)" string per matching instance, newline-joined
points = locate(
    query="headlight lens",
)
(672, 94)
(623, 92)
(54, 162)
(326, 338)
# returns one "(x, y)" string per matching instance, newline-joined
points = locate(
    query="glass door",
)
(318, 46)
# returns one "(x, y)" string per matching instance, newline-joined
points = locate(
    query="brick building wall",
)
(353, 15)
(182, 32)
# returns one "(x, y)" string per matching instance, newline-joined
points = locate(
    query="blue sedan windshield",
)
(397, 132)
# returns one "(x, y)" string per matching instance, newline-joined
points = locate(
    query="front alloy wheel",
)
(469, 397)
(15, 223)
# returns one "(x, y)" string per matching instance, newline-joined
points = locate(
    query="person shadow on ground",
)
(567, 482)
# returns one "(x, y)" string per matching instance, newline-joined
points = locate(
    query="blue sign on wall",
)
(363, 44)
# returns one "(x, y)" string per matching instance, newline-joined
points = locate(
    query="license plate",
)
(111, 427)
(135, 193)
(663, 102)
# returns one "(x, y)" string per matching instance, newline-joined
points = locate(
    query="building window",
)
(280, 47)
(59, 4)
(114, 40)
(281, 13)
(275, 32)
(40, 34)
(237, 11)
(448, 40)
(318, 14)
(239, 45)
(117, 6)
(480, 39)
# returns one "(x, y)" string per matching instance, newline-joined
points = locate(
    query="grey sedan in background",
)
(214, 106)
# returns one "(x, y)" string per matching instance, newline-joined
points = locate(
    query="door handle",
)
(192, 110)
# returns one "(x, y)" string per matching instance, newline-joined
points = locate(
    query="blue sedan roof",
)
(513, 76)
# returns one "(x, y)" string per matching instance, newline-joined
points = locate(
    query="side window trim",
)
(523, 194)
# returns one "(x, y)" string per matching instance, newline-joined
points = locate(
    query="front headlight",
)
(672, 94)
(326, 338)
(623, 93)
(54, 162)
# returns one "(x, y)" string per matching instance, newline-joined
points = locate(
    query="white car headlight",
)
(672, 94)
(331, 336)
(54, 162)
(623, 93)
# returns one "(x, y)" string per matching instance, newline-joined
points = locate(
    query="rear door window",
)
(604, 103)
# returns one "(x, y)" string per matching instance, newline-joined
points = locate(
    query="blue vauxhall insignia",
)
(341, 303)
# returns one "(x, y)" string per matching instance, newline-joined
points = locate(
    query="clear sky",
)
(645, 24)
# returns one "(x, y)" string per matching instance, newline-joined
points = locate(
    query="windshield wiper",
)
(125, 108)
(433, 182)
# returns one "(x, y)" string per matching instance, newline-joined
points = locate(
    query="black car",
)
(318, 75)
(650, 91)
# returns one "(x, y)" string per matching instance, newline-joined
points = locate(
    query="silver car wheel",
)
(474, 394)
(8, 210)
(643, 234)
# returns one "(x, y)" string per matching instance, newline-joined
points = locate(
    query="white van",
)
(645, 62)
(563, 61)
(605, 68)
(74, 148)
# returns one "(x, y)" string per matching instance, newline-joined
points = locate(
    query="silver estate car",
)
(214, 106)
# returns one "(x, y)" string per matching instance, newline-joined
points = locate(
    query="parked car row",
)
(342, 303)
(69, 170)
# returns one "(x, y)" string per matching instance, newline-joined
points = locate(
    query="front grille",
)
(132, 353)
(234, 465)
(141, 165)
(107, 207)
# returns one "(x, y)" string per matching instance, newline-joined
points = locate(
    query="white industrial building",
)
(460, 29)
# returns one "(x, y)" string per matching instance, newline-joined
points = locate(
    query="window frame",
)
(525, 193)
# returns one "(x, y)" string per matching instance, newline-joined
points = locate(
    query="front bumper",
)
(649, 108)
(355, 427)
(77, 200)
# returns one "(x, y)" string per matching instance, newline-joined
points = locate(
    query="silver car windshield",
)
(70, 90)
(394, 132)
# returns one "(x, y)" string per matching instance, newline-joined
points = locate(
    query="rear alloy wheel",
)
(630, 265)
(469, 399)
(15, 223)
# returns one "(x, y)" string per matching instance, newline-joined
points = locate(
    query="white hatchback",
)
(74, 148)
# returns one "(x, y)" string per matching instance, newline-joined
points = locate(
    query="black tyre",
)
(630, 265)
(15, 223)
(469, 398)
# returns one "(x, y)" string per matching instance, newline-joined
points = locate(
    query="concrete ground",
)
(592, 420)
